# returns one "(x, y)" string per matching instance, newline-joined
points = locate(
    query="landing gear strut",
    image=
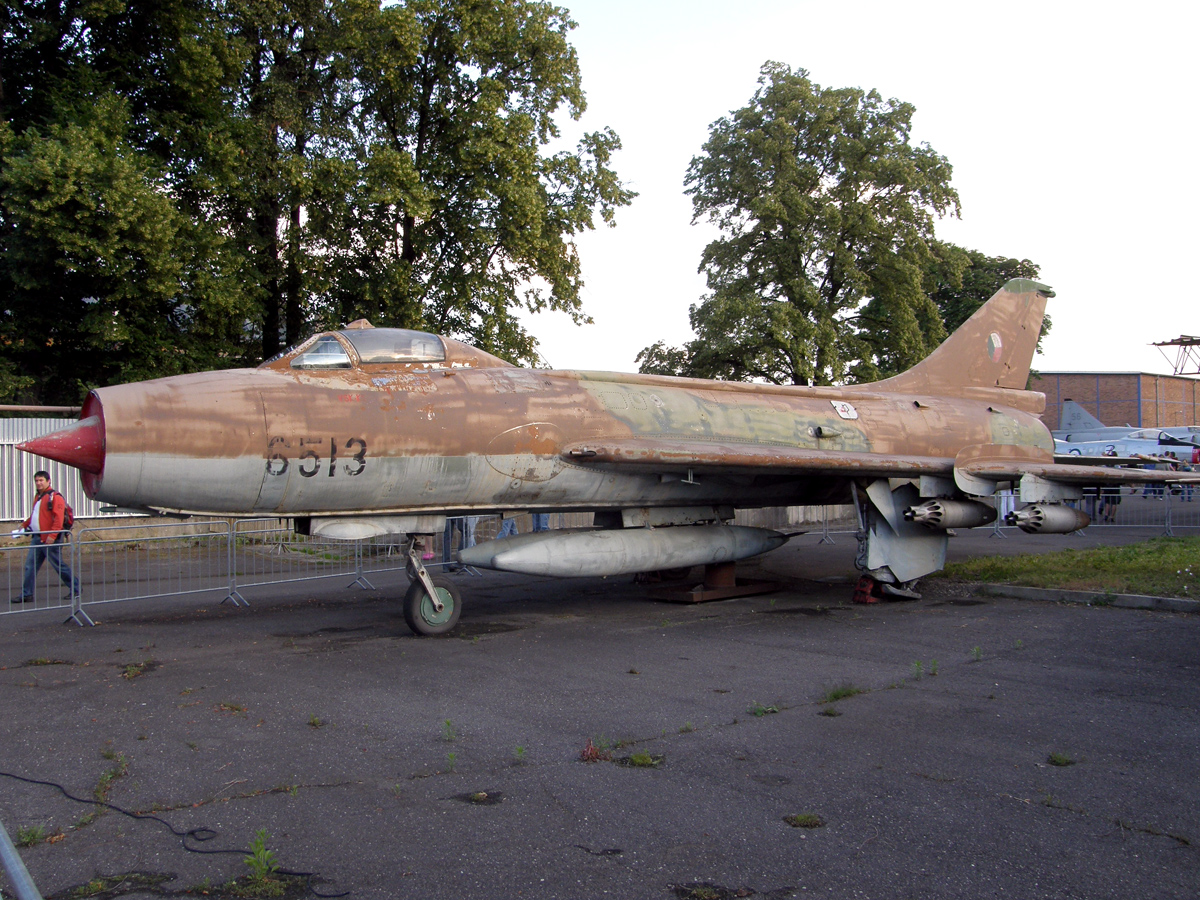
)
(431, 605)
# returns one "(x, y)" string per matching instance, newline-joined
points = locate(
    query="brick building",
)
(1122, 398)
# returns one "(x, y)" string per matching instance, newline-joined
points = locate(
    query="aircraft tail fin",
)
(992, 349)
(1076, 418)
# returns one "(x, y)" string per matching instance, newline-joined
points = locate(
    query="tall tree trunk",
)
(293, 281)
(267, 227)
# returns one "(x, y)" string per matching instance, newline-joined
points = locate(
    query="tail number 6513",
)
(310, 458)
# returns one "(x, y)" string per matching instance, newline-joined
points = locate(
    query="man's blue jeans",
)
(38, 554)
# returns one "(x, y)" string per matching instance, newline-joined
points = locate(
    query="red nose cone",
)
(80, 445)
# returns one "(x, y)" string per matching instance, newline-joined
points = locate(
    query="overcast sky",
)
(1070, 127)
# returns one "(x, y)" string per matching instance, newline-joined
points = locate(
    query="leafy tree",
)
(826, 215)
(398, 170)
(104, 276)
(291, 119)
(960, 281)
(461, 218)
(189, 184)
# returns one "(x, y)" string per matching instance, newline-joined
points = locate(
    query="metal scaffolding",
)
(1187, 356)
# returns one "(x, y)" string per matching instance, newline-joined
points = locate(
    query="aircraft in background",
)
(372, 431)
(1147, 444)
(1077, 425)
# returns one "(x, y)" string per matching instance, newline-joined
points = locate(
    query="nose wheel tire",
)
(422, 614)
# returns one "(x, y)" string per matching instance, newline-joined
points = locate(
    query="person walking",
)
(465, 525)
(45, 526)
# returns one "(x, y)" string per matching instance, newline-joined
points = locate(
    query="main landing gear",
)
(431, 605)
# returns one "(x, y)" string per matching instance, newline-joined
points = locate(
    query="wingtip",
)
(1025, 285)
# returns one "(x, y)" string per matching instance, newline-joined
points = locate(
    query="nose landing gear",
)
(431, 605)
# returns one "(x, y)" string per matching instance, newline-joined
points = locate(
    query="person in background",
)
(465, 525)
(45, 525)
(541, 521)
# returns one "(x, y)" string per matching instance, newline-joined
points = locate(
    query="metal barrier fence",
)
(48, 590)
(136, 562)
(144, 561)
(1151, 507)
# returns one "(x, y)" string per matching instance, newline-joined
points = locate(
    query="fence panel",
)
(50, 589)
(137, 561)
(267, 551)
(1153, 507)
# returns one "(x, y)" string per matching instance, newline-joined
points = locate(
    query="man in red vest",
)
(45, 523)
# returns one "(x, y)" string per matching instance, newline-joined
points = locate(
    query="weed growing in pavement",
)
(260, 859)
(596, 751)
(830, 711)
(28, 835)
(451, 761)
(265, 879)
(641, 761)
(1060, 759)
(118, 885)
(918, 670)
(758, 710)
(976, 654)
(1151, 829)
(1051, 802)
(841, 692)
(933, 667)
(449, 732)
(136, 670)
(805, 820)
(104, 786)
(315, 722)
(519, 754)
(687, 728)
(107, 778)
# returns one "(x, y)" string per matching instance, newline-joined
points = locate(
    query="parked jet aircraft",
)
(1077, 425)
(370, 431)
(1149, 442)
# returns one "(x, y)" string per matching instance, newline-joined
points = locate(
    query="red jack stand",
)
(868, 590)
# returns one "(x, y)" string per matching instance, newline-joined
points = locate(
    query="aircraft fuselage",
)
(459, 438)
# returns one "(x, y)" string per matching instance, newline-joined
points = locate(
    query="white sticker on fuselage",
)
(844, 409)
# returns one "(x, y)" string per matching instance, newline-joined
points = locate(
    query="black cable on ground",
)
(198, 835)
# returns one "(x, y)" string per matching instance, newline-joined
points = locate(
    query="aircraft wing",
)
(1002, 462)
(989, 462)
(718, 457)
(1139, 459)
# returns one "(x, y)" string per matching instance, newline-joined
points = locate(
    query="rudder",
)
(992, 349)
(1076, 418)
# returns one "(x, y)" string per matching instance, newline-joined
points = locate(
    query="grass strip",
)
(1160, 567)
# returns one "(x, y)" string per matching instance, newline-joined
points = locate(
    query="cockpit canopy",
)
(1162, 437)
(359, 344)
(372, 346)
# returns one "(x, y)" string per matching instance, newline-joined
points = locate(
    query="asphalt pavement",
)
(392, 766)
